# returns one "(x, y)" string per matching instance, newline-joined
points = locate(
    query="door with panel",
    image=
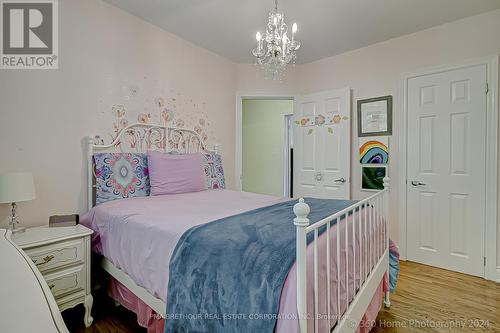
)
(322, 147)
(446, 169)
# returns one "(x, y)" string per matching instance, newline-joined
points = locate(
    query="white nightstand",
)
(62, 255)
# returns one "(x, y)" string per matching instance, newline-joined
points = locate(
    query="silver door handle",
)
(340, 180)
(318, 176)
(417, 183)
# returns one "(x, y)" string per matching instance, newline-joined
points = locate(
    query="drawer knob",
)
(46, 259)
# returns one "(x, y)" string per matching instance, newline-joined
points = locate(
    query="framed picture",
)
(372, 177)
(64, 220)
(374, 150)
(375, 116)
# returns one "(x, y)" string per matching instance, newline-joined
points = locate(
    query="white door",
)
(322, 146)
(446, 169)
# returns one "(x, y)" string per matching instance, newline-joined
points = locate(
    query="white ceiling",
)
(326, 27)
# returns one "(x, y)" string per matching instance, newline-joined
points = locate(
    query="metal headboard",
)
(139, 138)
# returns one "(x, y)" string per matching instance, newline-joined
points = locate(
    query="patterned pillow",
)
(212, 164)
(121, 175)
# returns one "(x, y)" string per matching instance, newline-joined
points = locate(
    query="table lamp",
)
(16, 187)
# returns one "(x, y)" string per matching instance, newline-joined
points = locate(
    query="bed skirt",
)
(154, 323)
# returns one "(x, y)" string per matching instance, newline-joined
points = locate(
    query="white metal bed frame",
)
(372, 231)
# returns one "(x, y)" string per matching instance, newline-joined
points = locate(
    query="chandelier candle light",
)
(279, 50)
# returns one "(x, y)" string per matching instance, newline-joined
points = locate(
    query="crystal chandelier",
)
(275, 50)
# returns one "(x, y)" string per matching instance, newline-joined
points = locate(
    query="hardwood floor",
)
(108, 318)
(427, 299)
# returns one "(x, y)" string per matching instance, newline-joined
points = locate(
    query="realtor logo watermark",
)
(29, 34)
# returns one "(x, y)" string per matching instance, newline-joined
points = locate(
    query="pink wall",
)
(105, 54)
(378, 69)
(251, 79)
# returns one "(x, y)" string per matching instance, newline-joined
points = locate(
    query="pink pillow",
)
(170, 174)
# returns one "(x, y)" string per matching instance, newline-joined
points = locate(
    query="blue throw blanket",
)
(393, 265)
(227, 275)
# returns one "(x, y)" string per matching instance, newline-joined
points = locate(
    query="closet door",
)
(446, 184)
(322, 146)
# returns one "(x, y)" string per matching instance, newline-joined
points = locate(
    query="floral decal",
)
(160, 102)
(303, 121)
(143, 118)
(167, 116)
(173, 111)
(320, 120)
(118, 110)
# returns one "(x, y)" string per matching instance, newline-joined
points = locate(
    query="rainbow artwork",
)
(374, 150)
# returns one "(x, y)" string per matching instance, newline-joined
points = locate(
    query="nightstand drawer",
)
(57, 255)
(62, 255)
(67, 281)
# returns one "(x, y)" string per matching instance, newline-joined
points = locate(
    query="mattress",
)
(139, 235)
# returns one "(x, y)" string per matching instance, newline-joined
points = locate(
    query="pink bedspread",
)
(138, 236)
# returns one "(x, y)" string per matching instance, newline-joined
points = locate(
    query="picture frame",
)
(375, 116)
(64, 220)
(374, 150)
(372, 177)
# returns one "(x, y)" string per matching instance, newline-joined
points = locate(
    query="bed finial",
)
(301, 210)
(387, 182)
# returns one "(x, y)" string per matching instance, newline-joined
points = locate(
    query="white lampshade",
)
(16, 187)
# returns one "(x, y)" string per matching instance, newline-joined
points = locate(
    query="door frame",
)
(287, 159)
(238, 149)
(491, 270)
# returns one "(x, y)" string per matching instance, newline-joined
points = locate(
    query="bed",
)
(340, 262)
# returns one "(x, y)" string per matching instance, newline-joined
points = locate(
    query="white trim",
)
(490, 246)
(238, 147)
(492, 272)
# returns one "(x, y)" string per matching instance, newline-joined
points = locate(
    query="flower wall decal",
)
(143, 118)
(118, 110)
(320, 120)
(168, 108)
(160, 102)
(336, 119)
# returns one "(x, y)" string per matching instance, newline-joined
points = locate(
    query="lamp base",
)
(13, 224)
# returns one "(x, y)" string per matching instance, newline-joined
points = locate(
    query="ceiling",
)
(326, 27)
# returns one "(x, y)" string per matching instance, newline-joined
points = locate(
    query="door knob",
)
(340, 180)
(417, 183)
(319, 177)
